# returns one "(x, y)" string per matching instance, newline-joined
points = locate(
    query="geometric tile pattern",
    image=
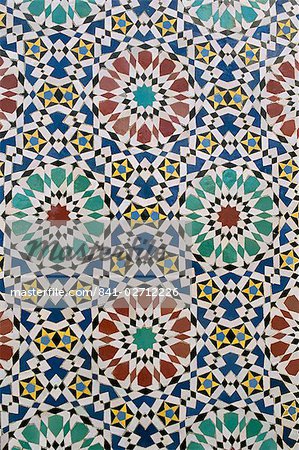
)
(154, 109)
(232, 216)
(157, 113)
(283, 331)
(224, 429)
(163, 335)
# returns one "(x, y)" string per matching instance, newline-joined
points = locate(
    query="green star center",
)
(144, 96)
(144, 338)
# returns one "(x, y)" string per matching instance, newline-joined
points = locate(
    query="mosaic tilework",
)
(147, 112)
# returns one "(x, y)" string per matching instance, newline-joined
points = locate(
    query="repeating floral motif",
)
(144, 342)
(146, 97)
(123, 120)
(284, 324)
(46, 195)
(8, 341)
(64, 13)
(54, 430)
(9, 93)
(229, 429)
(279, 98)
(234, 16)
(231, 215)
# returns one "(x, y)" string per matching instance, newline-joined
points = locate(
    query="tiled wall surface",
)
(144, 112)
